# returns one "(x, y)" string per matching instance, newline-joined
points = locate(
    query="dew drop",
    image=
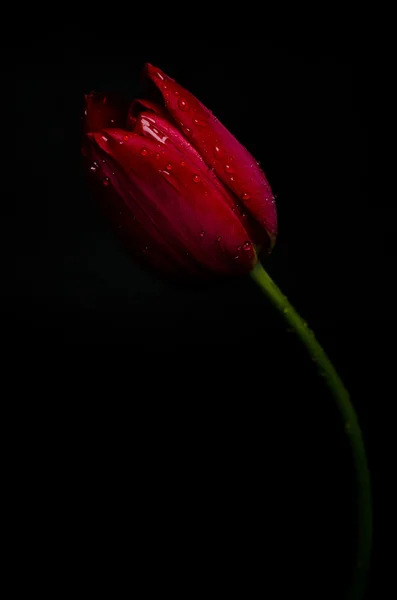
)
(205, 193)
(243, 215)
(188, 130)
(247, 246)
(246, 196)
(231, 178)
(196, 179)
(217, 149)
(103, 160)
(183, 163)
(126, 138)
(183, 105)
(176, 93)
(199, 123)
(165, 87)
(144, 152)
(105, 139)
(158, 155)
(168, 166)
(219, 238)
(239, 247)
(228, 169)
(106, 181)
(112, 121)
(202, 233)
(93, 168)
(159, 75)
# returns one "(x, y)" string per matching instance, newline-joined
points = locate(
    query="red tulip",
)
(187, 197)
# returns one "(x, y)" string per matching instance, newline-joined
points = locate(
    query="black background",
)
(191, 411)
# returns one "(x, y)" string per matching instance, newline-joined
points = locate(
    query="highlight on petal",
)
(104, 110)
(161, 130)
(231, 161)
(176, 201)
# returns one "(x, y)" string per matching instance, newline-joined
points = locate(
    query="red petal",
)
(233, 164)
(180, 201)
(104, 110)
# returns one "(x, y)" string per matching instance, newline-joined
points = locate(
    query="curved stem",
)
(350, 421)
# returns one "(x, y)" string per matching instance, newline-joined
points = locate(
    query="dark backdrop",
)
(193, 433)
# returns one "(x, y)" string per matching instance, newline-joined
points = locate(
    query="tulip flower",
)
(188, 199)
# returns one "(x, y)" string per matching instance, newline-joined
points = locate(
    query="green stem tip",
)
(350, 421)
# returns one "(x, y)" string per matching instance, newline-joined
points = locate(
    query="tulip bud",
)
(157, 172)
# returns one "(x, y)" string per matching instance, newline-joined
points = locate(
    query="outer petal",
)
(233, 164)
(104, 110)
(176, 203)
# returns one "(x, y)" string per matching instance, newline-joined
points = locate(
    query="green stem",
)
(350, 421)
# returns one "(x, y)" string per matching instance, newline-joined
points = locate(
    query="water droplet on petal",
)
(158, 155)
(165, 87)
(93, 168)
(111, 121)
(231, 178)
(246, 196)
(159, 75)
(199, 123)
(243, 215)
(126, 138)
(217, 149)
(219, 238)
(196, 179)
(144, 152)
(183, 105)
(247, 246)
(103, 160)
(202, 233)
(106, 181)
(168, 166)
(176, 93)
(105, 139)
(228, 169)
(188, 130)
(183, 163)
